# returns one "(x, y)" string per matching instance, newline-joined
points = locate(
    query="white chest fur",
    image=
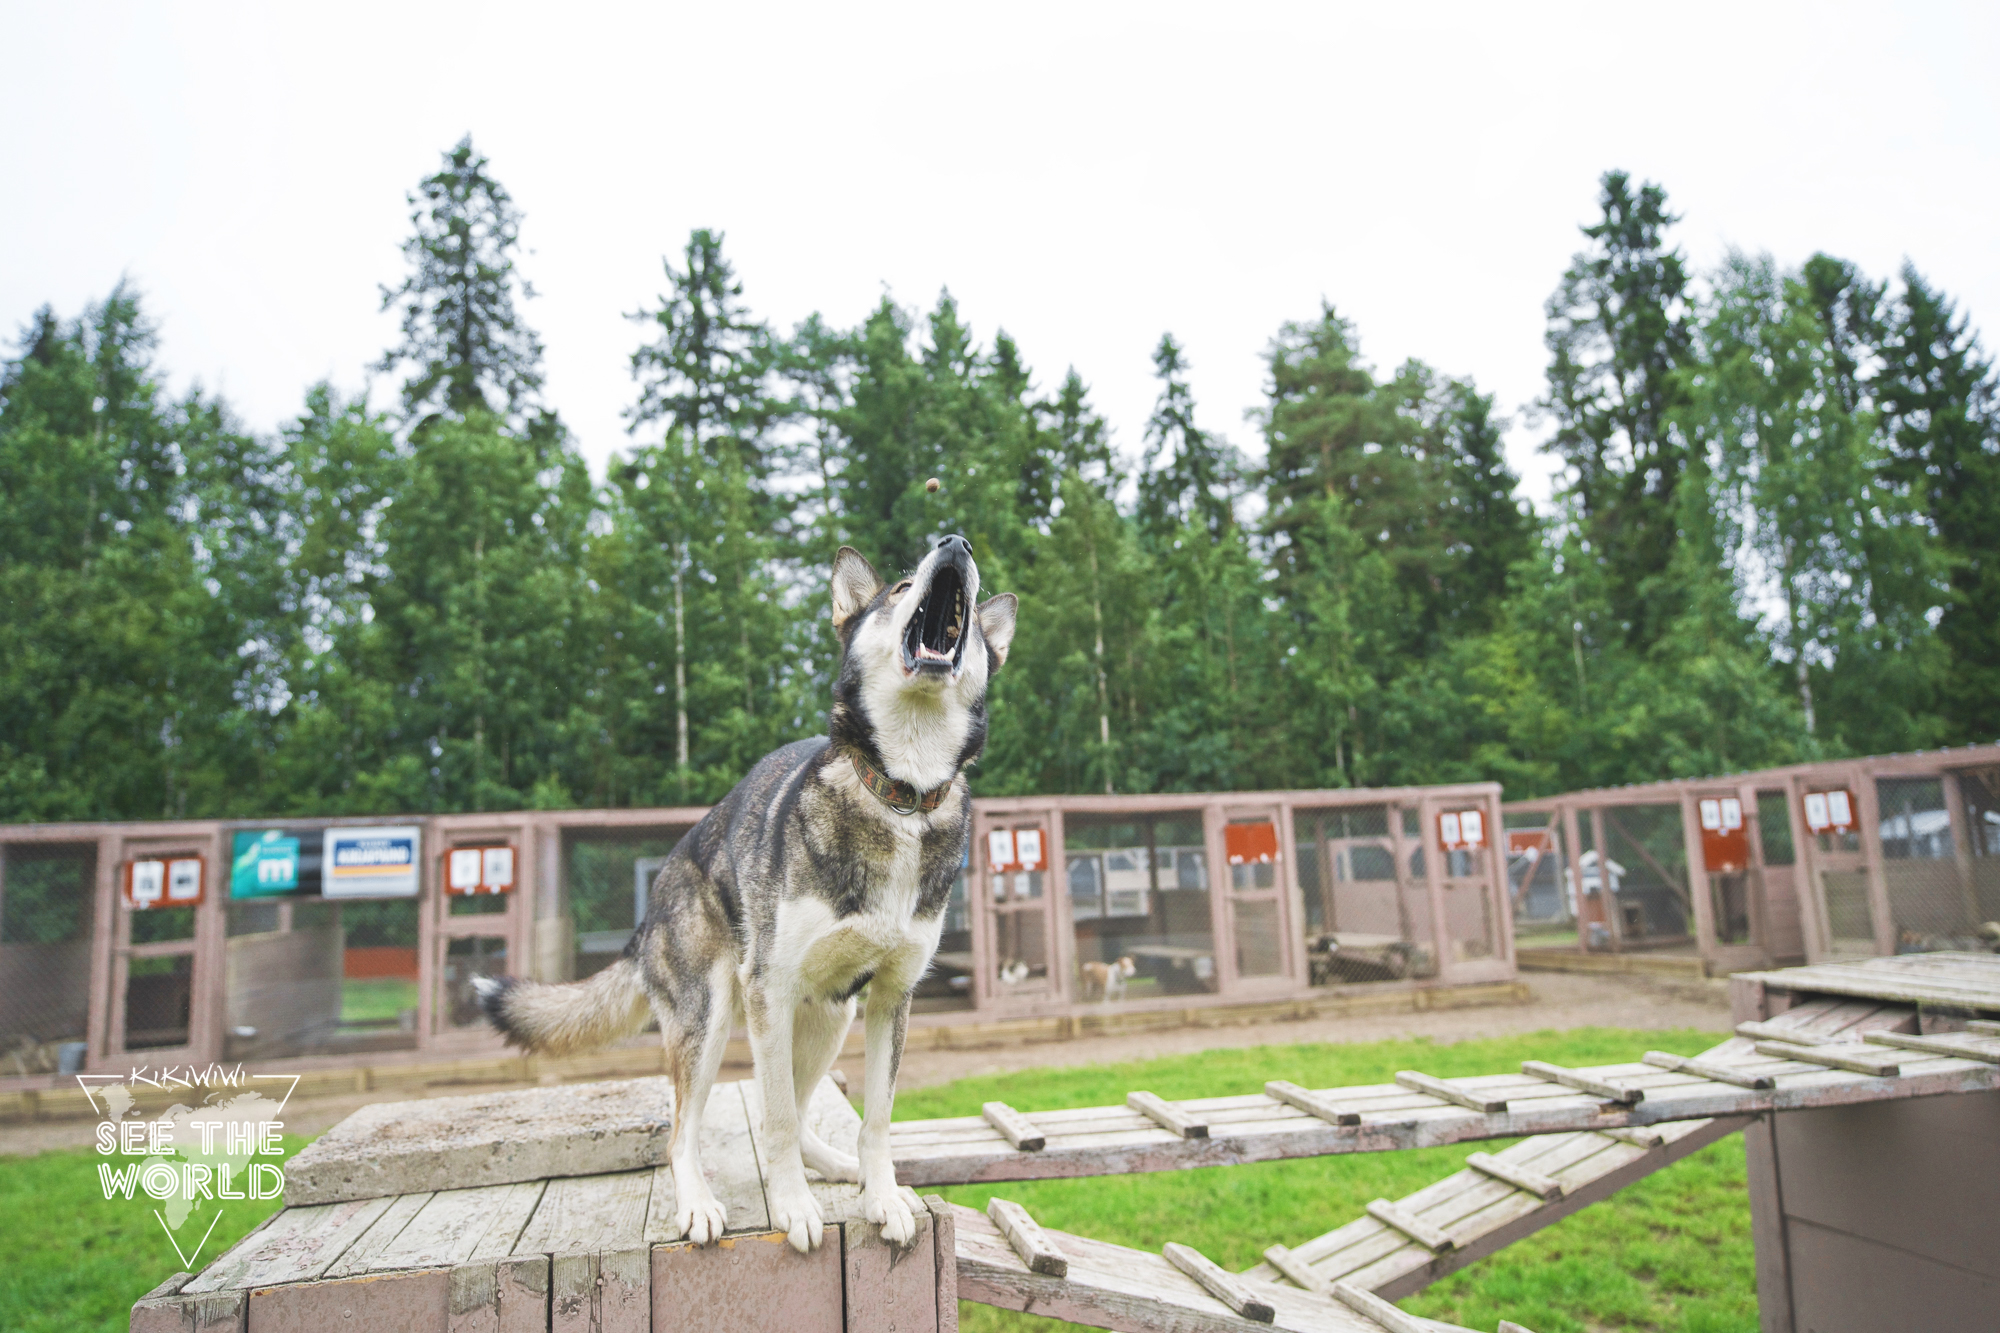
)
(829, 955)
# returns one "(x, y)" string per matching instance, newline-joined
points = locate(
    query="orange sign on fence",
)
(1725, 843)
(1250, 844)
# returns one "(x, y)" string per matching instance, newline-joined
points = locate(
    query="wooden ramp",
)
(1398, 1248)
(1110, 1286)
(1418, 1111)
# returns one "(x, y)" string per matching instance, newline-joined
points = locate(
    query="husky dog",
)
(825, 871)
(1106, 981)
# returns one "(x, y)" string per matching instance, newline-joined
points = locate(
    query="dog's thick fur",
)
(801, 888)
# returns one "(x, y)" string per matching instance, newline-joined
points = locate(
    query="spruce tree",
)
(700, 498)
(465, 343)
(1190, 477)
(1617, 340)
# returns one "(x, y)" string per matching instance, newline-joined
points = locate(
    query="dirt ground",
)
(1560, 1001)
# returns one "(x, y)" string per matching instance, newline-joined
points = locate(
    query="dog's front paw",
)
(794, 1213)
(698, 1214)
(886, 1206)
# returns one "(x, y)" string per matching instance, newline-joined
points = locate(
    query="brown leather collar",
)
(901, 797)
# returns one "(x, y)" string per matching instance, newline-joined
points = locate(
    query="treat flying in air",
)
(931, 485)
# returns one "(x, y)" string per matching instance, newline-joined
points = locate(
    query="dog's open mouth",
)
(935, 639)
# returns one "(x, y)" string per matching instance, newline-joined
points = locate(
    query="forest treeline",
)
(1775, 538)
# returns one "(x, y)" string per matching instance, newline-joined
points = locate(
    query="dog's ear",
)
(996, 624)
(854, 585)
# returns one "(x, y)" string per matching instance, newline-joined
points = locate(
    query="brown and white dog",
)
(1106, 981)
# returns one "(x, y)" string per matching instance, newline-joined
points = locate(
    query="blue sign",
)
(265, 863)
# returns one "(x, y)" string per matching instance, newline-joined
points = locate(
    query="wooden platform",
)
(1967, 983)
(579, 1254)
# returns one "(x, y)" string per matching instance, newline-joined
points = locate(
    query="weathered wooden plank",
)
(1792, 1032)
(1312, 1103)
(1027, 1237)
(888, 1286)
(1985, 1027)
(746, 1281)
(1520, 1177)
(165, 1309)
(1966, 1047)
(1437, 1087)
(299, 1245)
(1369, 1304)
(1221, 1285)
(499, 1294)
(1168, 1115)
(410, 1302)
(448, 1229)
(1710, 1070)
(1434, 1239)
(944, 1237)
(1643, 1138)
(1014, 1127)
(1294, 1270)
(1509, 1326)
(495, 1138)
(361, 1255)
(1842, 1058)
(588, 1214)
(1591, 1084)
(602, 1290)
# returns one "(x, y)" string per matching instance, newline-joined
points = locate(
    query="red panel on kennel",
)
(1248, 844)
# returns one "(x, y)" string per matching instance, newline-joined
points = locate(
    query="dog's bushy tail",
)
(564, 1018)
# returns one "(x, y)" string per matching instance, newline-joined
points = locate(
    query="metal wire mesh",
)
(47, 894)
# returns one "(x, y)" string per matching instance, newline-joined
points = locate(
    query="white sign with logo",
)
(371, 862)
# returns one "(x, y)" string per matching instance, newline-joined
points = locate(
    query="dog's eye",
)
(900, 588)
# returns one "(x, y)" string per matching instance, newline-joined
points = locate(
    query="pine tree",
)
(467, 346)
(1617, 340)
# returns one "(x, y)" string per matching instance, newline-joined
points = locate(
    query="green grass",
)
(76, 1260)
(374, 998)
(1671, 1253)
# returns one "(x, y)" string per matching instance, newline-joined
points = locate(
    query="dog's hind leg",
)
(816, 1041)
(694, 1054)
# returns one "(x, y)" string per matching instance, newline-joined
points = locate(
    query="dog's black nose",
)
(954, 543)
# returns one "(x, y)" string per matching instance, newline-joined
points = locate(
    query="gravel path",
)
(1560, 1001)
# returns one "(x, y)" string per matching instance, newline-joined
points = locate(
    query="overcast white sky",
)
(1083, 176)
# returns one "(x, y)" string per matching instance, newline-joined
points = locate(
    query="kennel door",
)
(1012, 855)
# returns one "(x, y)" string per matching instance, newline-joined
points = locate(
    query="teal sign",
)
(265, 863)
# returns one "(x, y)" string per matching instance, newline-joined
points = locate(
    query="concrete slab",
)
(497, 1138)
